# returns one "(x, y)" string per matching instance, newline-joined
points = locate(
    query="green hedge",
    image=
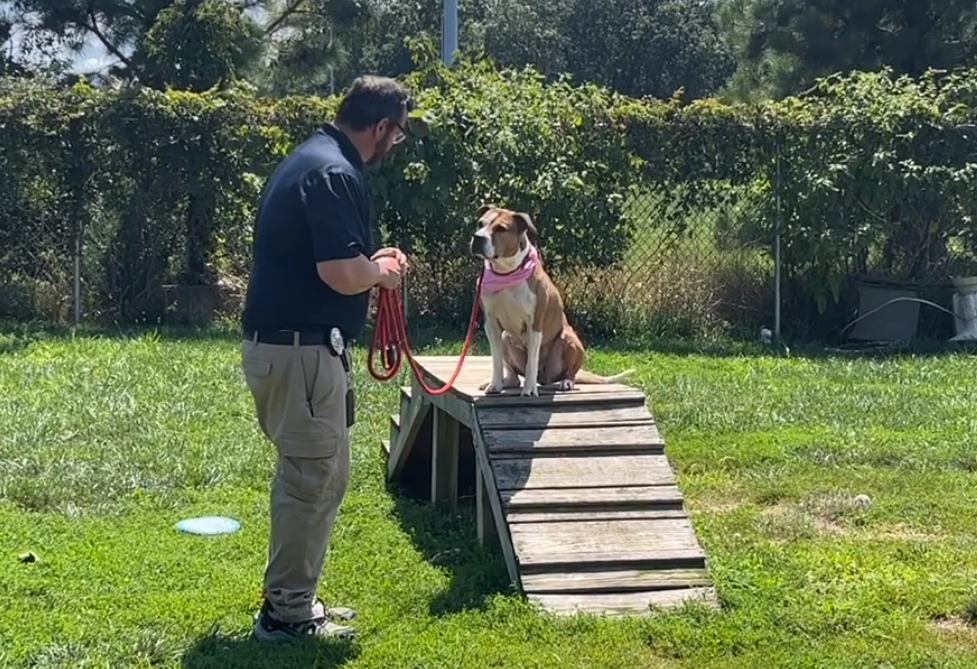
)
(873, 173)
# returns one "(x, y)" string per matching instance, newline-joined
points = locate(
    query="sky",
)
(93, 57)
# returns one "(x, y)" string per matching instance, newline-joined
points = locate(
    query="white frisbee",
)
(208, 525)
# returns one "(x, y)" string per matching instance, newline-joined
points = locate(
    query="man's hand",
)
(391, 252)
(391, 271)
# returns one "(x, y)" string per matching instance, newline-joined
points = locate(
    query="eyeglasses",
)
(403, 133)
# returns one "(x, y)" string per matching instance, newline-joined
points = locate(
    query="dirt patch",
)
(787, 522)
(954, 625)
(902, 533)
(716, 505)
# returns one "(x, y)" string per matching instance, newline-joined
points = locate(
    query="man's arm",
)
(333, 217)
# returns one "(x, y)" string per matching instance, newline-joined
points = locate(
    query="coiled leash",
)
(390, 339)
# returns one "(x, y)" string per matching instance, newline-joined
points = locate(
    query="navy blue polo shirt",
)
(314, 207)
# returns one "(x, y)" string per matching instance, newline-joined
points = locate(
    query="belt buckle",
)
(336, 341)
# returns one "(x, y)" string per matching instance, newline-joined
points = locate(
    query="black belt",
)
(287, 337)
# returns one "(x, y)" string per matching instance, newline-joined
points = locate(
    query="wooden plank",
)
(577, 543)
(458, 407)
(394, 428)
(561, 415)
(582, 472)
(601, 515)
(484, 523)
(444, 460)
(588, 498)
(603, 394)
(610, 438)
(410, 424)
(405, 399)
(445, 364)
(495, 502)
(436, 370)
(624, 603)
(620, 580)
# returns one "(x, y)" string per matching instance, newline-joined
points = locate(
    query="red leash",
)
(390, 339)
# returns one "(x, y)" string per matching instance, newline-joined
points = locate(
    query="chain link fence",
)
(690, 272)
(683, 280)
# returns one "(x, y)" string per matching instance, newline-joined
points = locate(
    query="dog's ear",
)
(481, 210)
(524, 224)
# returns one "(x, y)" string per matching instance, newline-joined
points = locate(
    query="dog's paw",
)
(565, 385)
(530, 390)
(510, 381)
(492, 387)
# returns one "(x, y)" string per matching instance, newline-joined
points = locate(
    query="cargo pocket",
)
(316, 422)
(255, 369)
(307, 479)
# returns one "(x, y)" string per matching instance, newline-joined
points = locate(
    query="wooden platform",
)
(574, 487)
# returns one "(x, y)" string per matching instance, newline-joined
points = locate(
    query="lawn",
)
(106, 442)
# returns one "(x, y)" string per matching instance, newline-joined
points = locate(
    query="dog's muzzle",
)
(479, 245)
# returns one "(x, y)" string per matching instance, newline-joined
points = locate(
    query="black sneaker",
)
(268, 629)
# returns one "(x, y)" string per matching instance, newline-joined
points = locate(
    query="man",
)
(314, 268)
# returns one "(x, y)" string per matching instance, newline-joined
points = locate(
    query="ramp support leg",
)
(485, 522)
(444, 460)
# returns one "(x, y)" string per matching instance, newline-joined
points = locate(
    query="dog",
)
(525, 322)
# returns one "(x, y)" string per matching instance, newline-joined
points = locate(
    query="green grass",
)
(106, 442)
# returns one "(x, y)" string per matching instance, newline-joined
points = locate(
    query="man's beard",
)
(376, 158)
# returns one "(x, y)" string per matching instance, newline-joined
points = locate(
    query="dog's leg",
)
(573, 357)
(530, 382)
(554, 371)
(514, 360)
(493, 331)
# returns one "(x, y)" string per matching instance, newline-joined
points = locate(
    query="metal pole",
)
(776, 256)
(332, 70)
(77, 277)
(449, 31)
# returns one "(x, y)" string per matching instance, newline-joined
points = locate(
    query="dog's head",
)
(501, 233)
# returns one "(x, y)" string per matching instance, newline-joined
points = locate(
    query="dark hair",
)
(370, 99)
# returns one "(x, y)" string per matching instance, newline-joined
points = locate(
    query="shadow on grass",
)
(808, 351)
(447, 540)
(17, 336)
(216, 650)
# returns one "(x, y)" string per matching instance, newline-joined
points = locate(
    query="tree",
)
(783, 46)
(196, 46)
(648, 47)
(187, 43)
(517, 33)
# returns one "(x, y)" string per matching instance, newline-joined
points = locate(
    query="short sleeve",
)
(333, 216)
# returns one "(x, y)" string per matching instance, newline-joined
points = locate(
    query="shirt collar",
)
(345, 145)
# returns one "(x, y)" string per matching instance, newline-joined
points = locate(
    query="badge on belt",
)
(336, 342)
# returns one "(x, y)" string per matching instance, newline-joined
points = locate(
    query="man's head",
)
(373, 114)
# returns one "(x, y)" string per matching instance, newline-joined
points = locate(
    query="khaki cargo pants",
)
(300, 399)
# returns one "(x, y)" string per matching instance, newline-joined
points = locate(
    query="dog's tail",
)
(585, 377)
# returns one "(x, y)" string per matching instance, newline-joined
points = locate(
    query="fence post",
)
(776, 251)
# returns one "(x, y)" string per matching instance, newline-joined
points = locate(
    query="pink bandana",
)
(493, 282)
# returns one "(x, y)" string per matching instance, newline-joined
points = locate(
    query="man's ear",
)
(524, 224)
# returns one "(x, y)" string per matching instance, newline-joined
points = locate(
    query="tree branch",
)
(93, 27)
(281, 18)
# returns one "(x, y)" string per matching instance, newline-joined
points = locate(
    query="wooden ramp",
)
(574, 487)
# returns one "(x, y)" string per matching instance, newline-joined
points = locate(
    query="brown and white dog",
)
(527, 328)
